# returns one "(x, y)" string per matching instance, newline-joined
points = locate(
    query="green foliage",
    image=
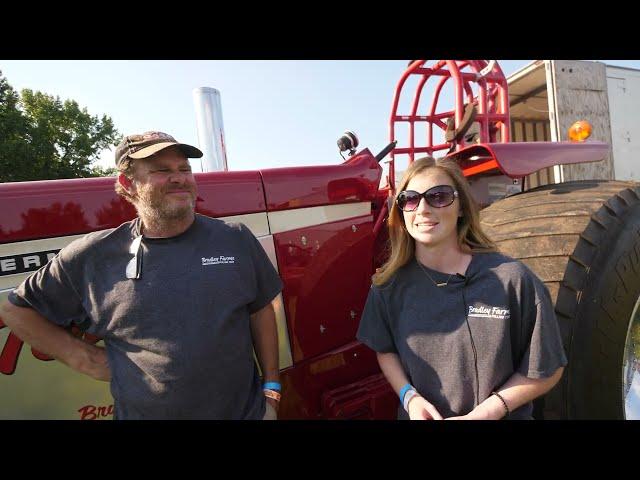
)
(42, 137)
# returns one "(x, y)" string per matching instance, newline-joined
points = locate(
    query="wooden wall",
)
(581, 94)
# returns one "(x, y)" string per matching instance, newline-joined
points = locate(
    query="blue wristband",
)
(272, 386)
(404, 390)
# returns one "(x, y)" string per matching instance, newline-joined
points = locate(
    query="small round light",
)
(348, 141)
(579, 131)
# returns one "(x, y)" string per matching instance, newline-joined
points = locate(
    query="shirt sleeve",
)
(374, 330)
(543, 349)
(51, 293)
(268, 283)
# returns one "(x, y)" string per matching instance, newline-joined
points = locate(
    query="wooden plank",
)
(535, 180)
(580, 93)
(517, 133)
(544, 176)
(540, 127)
(528, 132)
(535, 108)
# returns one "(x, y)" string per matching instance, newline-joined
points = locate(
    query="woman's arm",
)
(517, 391)
(419, 408)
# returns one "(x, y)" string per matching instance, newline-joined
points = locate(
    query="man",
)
(178, 331)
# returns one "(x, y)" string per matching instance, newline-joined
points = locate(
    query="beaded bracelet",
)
(504, 404)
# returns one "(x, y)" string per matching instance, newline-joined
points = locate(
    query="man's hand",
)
(56, 342)
(274, 404)
(95, 363)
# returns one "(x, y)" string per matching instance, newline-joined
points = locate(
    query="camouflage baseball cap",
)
(148, 143)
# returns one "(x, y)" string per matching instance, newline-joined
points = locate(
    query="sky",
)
(275, 113)
(632, 401)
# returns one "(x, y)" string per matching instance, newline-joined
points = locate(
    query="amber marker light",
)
(579, 131)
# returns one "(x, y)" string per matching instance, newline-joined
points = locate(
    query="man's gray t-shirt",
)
(178, 339)
(510, 315)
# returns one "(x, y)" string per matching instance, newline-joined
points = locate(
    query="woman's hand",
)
(470, 416)
(481, 412)
(420, 409)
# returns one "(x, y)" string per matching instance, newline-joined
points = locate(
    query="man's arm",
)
(517, 391)
(265, 342)
(55, 341)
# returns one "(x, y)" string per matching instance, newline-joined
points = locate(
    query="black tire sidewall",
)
(595, 369)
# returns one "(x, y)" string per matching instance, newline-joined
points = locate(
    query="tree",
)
(42, 137)
(13, 131)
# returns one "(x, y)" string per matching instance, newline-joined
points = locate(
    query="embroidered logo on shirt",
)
(489, 312)
(218, 260)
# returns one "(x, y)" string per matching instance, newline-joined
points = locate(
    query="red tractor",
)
(324, 229)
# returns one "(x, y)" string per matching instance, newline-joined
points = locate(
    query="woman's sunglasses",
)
(438, 197)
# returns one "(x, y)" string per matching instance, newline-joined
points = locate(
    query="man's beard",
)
(155, 208)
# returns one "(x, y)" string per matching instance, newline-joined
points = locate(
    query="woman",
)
(460, 330)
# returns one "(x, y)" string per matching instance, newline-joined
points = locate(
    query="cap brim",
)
(188, 150)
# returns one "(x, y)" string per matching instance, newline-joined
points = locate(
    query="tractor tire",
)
(582, 239)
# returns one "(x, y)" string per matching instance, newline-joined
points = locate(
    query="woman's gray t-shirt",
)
(510, 315)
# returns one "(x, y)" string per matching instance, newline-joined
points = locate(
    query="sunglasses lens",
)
(441, 196)
(408, 201)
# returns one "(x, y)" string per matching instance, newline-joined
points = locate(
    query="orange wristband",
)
(271, 394)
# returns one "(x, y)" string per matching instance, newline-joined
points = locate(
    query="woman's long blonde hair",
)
(471, 238)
